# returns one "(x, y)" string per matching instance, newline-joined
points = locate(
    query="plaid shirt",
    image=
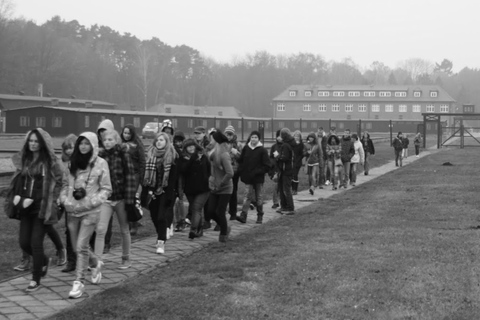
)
(122, 174)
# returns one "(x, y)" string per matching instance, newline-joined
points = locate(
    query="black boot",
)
(242, 218)
(71, 266)
(259, 219)
(233, 216)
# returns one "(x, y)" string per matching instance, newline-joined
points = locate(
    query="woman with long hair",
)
(88, 188)
(334, 154)
(158, 187)
(134, 146)
(32, 197)
(220, 183)
(122, 177)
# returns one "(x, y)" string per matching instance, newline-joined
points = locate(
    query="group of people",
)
(106, 172)
(400, 145)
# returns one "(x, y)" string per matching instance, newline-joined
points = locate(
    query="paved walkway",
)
(52, 297)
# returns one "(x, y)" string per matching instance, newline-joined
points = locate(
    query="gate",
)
(463, 133)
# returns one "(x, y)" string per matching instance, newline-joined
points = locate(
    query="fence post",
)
(391, 133)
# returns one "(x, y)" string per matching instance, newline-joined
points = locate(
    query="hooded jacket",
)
(52, 183)
(347, 149)
(98, 187)
(106, 124)
(285, 159)
(254, 163)
(313, 151)
(359, 155)
(197, 170)
(368, 145)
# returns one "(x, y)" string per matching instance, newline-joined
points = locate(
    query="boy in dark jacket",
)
(369, 149)
(254, 163)
(274, 171)
(347, 153)
(398, 147)
(284, 161)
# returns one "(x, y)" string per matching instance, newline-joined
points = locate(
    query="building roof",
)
(443, 96)
(203, 110)
(41, 100)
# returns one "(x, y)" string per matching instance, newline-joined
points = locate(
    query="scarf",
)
(154, 155)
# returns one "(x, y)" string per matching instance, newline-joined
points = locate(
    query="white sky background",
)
(388, 31)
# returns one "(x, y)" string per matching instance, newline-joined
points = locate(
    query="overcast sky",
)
(365, 31)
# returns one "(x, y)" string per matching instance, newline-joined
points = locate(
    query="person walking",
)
(334, 154)
(122, 198)
(347, 154)
(32, 198)
(417, 141)
(358, 157)
(133, 145)
(285, 161)
(405, 142)
(368, 149)
(196, 166)
(314, 161)
(274, 169)
(88, 188)
(179, 212)
(254, 164)
(298, 155)
(158, 192)
(398, 147)
(235, 150)
(220, 183)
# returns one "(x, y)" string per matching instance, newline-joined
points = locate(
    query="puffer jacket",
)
(313, 151)
(52, 183)
(98, 186)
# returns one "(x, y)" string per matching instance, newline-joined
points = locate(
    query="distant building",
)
(12, 101)
(196, 110)
(385, 102)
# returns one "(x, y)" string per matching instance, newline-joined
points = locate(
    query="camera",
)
(79, 193)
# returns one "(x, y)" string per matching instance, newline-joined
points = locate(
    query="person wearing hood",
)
(87, 189)
(298, 155)
(368, 149)
(32, 197)
(196, 166)
(104, 125)
(179, 208)
(314, 161)
(167, 127)
(284, 161)
(347, 153)
(254, 163)
(158, 187)
(122, 199)
(134, 146)
(358, 157)
(235, 150)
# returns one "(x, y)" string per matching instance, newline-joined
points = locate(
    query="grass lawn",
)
(402, 246)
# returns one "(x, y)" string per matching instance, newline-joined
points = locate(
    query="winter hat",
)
(179, 136)
(256, 133)
(199, 129)
(229, 129)
(219, 137)
(191, 142)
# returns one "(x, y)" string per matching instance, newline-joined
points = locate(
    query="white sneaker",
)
(417, 156)
(77, 290)
(160, 247)
(327, 183)
(168, 233)
(97, 273)
(171, 231)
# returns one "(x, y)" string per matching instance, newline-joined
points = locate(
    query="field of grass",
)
(402, 246)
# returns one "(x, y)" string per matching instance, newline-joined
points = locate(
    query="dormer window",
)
(293, 93)
(369, 94)
(323, 93)
(338, 93)
(354, 94)
(400, 94)
(433, 94)
(417, 94)
(385, 94)
(308, 93)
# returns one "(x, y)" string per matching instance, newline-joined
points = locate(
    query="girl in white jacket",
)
(88, 188)
(358, 157)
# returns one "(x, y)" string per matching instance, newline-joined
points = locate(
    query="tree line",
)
(99, 63)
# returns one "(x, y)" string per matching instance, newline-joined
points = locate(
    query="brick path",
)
(52, 297)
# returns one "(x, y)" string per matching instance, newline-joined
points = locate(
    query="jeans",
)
(312, 172)
(285, 191)
(106, 212)
(338, 172)
(195, 207)
(346, 175)
(353, 172)
(366, 165)
(32, 233)
(179, 212)
(81, 229)
(398, 157)
(232, 204)
(276, 195)
(330, 171)
(161, 215)
(217, 205)
(405, 153)
(253, 193)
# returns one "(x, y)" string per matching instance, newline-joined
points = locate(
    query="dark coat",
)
(198, 171)
(273, 161)
(347, 149)
(254, 163)
(285, 159)
(368, 145)
(298, 154)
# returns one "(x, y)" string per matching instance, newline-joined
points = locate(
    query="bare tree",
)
(417, 67)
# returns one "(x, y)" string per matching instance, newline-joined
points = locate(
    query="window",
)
(249, 124)
(400, 94)
(304, 125)
(307, 108)
(385, 94)
(369, 94)
(281, 124)
(57, 122)
(190, 123)
(87, 121)
(40, 121)
(322, 108)
(338, 93)
(168, 110)
(417, 94)
(335, 107)
(362, 108)
(293, 93)
(416, 108)
(375, 108)
(136, 122)
(368, 125)
(296, 125)
(308, 93)
(323, 93)
(354, 93)
(280, 107)
(24, 121)
(402, 108)
(389, 108)
(433, 94)
(430, 108)
(348, 107)
(196, 111)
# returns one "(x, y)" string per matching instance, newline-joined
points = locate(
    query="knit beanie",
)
(256, 133)
(229, 129)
